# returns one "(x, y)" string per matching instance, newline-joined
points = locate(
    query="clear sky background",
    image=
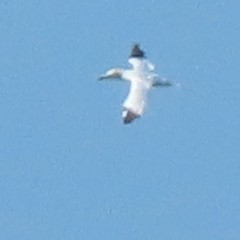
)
(69, 168)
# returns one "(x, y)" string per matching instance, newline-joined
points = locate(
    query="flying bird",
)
(141, 77)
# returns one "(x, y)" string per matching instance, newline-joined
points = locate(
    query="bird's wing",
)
(159, 82)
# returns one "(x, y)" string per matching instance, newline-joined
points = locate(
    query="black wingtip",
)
(129, 116)
(137, 52)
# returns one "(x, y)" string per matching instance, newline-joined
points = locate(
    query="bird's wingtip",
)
(129, 116)
(137, 52)
(100, 78)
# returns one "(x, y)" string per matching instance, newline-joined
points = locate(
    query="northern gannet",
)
(142, 78)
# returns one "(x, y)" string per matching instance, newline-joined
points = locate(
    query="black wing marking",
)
(137, 52)
(129, 116)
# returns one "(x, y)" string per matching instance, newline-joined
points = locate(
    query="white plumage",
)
(140, 83)
(142, 78)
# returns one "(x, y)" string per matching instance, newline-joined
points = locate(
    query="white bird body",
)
(141, 78)
(141, 82)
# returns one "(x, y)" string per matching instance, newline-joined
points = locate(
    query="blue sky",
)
(69, 168)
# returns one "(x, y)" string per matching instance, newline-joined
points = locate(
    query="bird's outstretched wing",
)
(161, 83)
